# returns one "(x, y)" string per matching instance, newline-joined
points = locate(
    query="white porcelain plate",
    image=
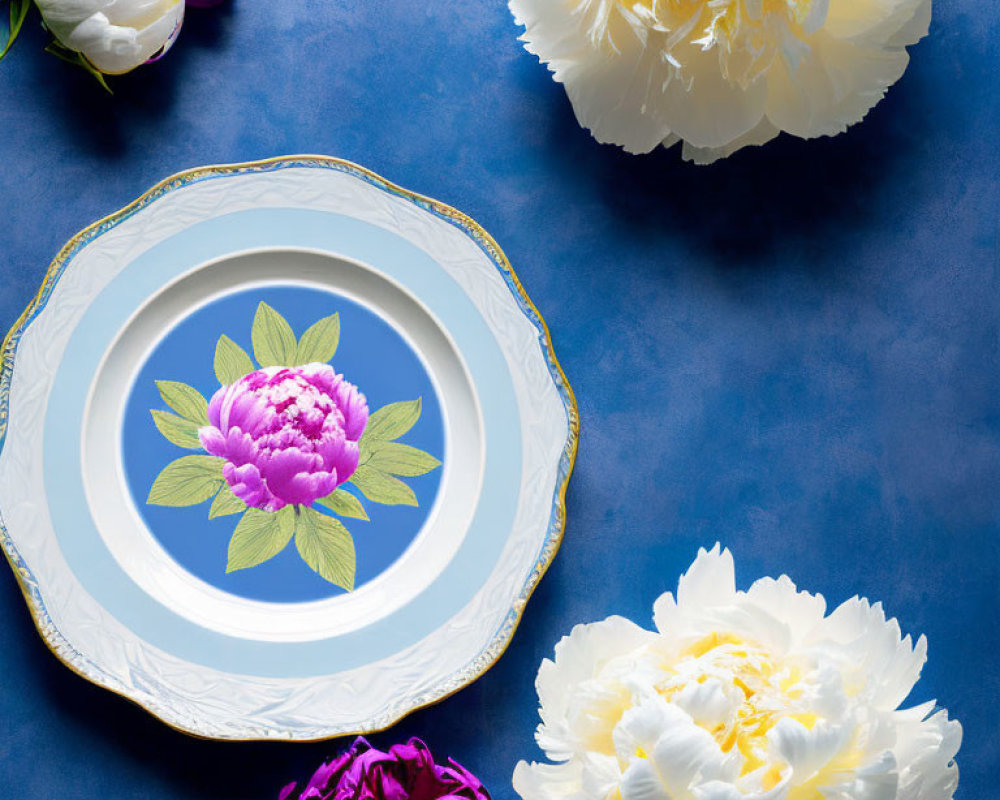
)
(284, 450)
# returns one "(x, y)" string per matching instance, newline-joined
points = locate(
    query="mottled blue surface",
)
(794, 351)
(371, 354)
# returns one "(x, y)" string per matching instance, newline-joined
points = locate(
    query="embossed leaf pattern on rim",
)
(90, 670)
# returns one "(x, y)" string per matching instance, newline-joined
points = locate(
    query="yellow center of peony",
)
(732, 13)
(760, 691)
(746, 35)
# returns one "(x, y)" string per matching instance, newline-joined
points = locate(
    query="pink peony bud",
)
(289, 435)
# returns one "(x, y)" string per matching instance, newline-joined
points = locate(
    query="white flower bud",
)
(115, 36)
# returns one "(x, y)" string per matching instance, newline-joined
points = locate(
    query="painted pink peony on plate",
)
(289, 434)
(281, 435)
(406, 772)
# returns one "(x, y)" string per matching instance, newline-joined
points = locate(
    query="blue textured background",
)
(794, 351)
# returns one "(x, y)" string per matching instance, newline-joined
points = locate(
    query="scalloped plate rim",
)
(475, 668)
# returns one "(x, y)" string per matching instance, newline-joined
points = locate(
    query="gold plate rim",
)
(501, 640)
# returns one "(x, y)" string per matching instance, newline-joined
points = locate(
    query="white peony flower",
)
(755, 695)
(115, 36)
(721, 74)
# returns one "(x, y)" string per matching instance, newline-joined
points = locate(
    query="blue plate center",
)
(403, 480)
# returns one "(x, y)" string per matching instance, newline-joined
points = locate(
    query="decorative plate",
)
(284, 451)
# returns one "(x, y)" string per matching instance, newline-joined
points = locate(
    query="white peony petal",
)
(707, 703)
(137, 14)
(850, 621)
(762, 134)
(805, 750)
(914, 29)
(613, 84)
(687, 754)
(714, 111)
(718, 790)
(579, 658)
(670, 141)
(548, 781)
(750, 785)
(680, 750)
(604, 98)
(601, 775)
(877, 780)
(640, 727)
(816, 16)
(877, 662)
(836, 86)
(151, 39)
(747, 621)
(61, 16)
(665, 613)
(925, 749)
(900, 673)
(709, 581)
(641, 782)
(96, 35)
(873, 21)
(800, 611)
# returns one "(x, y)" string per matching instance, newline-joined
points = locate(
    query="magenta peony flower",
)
(289, 434)
(406, 772)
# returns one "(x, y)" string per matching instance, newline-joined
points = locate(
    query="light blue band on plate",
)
(409, 266)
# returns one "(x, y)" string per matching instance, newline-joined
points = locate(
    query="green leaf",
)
(319, 342)
(400, 459)
(231, 361)
(18, 12)
(393, 420)
(382, 488)
(260, 535)
(225, 503)
(344, 504)
(327, 547)
(63, 53)
(181, 432)
(185, 400)
(273, 341)
(187, 481)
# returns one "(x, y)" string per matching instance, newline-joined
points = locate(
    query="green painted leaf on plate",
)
(260, 535)
(319, 342)
(393, 420)
(327, 547)
(383, 488)
(187, 481)
(400, 459)
(225, 503)
(344, 504)
(185, 400)
(177, 430)
(231, 361)
(274, 342)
